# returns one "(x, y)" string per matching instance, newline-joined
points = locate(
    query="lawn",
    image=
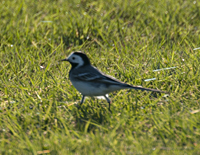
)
(142, 42)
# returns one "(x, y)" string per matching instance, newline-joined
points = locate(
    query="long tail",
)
(147, 89)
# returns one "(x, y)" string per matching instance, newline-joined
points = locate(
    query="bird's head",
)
(77, 59)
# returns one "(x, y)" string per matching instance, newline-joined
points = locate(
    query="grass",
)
(126, 39)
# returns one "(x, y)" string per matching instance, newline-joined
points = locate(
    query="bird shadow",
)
(89, 117)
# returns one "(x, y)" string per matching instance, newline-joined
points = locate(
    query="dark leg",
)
(108, 100)
(82, 100)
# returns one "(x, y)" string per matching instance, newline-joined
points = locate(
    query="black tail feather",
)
(147, 89)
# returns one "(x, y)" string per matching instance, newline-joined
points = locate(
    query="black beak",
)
(64, 59)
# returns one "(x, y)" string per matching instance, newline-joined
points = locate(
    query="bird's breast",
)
(94, 89)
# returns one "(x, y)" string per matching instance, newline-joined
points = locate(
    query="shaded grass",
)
(126, 39)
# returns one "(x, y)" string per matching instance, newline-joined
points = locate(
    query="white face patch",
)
(73, 58)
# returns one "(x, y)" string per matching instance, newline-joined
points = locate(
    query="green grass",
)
(126, 39)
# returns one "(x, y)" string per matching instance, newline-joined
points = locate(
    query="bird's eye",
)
(73, 58)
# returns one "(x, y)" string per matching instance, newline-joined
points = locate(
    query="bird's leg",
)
(82, 100)
(108, 100)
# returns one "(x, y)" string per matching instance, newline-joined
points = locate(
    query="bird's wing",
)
(89, 76)
(94, 75)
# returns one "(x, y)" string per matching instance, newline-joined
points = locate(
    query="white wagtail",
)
(89, 81)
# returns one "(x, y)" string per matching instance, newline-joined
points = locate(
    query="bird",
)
(90, 81)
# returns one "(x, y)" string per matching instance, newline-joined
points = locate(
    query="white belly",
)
(92, 89)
